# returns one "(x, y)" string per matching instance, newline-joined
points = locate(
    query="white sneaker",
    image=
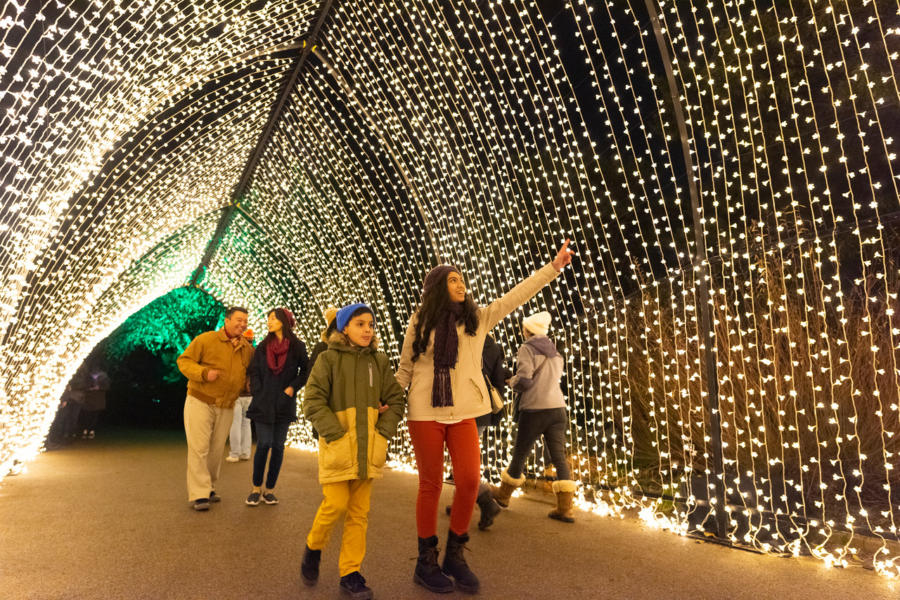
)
(230, 458)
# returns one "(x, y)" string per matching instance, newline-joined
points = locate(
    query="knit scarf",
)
(276, 353)
(446, 348)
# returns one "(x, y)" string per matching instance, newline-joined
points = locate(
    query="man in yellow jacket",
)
(215, 364)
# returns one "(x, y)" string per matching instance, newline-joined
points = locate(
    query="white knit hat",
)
(538, 323)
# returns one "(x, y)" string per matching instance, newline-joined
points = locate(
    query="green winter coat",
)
(341, 399)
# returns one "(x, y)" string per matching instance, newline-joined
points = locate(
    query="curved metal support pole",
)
(287, 89)
(703, 278)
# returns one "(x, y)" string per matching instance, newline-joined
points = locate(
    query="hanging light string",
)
(482, 134)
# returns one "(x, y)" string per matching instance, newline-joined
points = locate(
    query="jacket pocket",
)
(478, 393)
(379, 451)
(335, 457)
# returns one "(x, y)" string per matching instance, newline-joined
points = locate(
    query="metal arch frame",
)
(272, 246)
(700, 261)
(265, 138)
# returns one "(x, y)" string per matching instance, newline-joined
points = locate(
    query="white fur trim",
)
(337, 337)
(563, 485)
(505, 478)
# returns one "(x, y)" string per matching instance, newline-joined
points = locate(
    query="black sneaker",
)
(269, 498)
(214, 497)
(252, 499)
(309, 568)
(201, 504)
(354, 585)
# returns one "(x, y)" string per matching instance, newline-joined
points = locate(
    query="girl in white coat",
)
(440, 363)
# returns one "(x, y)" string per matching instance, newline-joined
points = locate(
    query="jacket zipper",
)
(371, 377)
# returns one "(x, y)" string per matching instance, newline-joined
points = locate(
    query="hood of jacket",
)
(339, 341)
(542, 345)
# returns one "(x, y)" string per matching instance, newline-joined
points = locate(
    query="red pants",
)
(428, 439)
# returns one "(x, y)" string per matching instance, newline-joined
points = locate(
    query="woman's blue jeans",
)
(269, 437)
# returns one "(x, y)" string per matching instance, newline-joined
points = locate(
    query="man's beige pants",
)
(206, 428)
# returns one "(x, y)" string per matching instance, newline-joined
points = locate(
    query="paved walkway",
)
(109, 519)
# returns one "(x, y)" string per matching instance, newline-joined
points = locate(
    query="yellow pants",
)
(350, 498)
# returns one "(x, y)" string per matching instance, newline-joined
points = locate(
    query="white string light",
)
(101, 107)
(487, 132)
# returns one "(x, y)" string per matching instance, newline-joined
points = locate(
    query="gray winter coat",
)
(539, 368)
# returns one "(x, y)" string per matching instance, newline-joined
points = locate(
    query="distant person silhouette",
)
(94, 401)
(240, 438)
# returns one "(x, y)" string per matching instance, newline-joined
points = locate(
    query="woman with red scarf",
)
(278, 370)
(441, 364)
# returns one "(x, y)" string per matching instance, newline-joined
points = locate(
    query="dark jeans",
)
(269, 436)
(553, 424)
(72, 411)
(89, 419)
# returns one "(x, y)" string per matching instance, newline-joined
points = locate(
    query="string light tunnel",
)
(727, 170)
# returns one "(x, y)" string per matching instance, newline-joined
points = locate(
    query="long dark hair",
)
(435, 302)
(286, 330)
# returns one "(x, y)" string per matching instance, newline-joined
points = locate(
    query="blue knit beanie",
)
(344, 314)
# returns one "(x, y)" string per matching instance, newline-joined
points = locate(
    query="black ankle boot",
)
(354, 585)
(428, 574)
(488, 506)
(455, 563)
(309, 568)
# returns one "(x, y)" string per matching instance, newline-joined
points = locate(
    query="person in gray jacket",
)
(542, 411)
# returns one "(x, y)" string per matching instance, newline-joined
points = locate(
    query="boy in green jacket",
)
(355, 405)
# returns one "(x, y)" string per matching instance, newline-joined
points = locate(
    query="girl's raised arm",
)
(497, 310)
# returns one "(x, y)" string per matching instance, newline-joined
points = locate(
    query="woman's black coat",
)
(270, 404)
(494, 369)
(318, 349)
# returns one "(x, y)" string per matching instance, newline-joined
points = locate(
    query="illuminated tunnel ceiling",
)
(481, 134)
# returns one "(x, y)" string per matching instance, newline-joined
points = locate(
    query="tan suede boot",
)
(565, 499)
(507, 486)
(549, 478)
